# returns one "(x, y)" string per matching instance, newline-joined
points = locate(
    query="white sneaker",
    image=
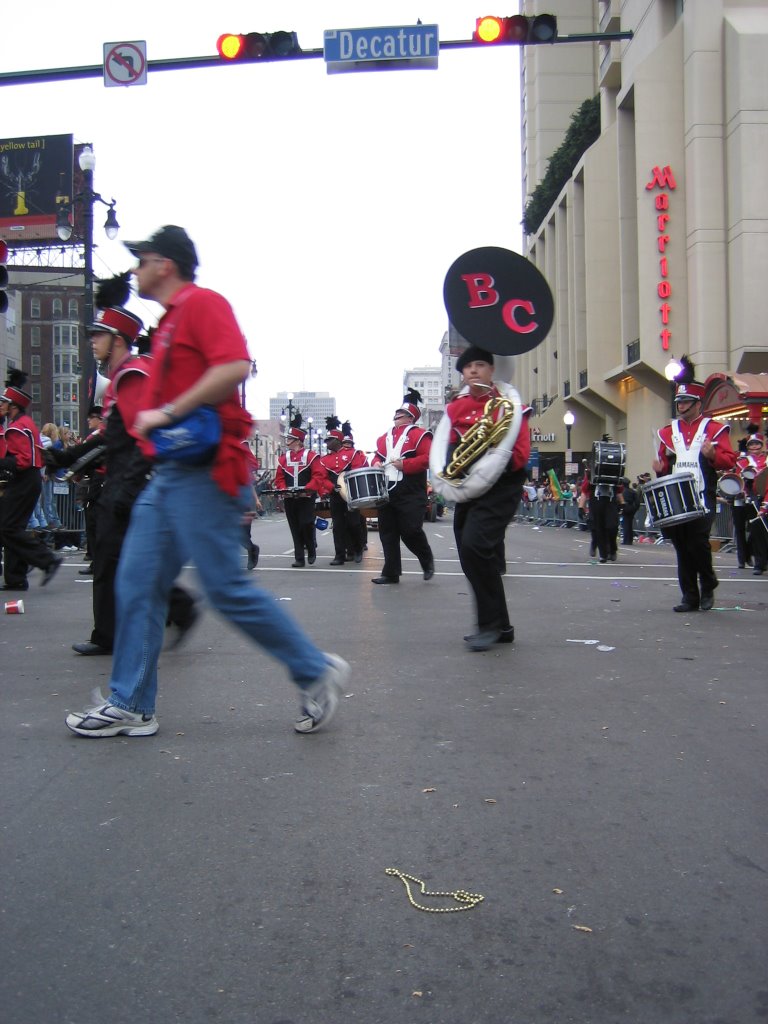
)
(320, 700)
(108, 720)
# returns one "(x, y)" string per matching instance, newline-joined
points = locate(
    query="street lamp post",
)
(88, 197)
(671, 370)
(290, 409)
(568, 419)
(64, 228)
(310, 421)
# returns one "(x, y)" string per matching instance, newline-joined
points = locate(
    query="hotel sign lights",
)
(663, 181)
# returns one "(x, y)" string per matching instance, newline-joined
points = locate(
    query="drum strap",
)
(687, 459)
(394, 451)
(297, 468)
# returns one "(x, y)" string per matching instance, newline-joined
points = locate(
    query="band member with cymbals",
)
(300, 468)
(752, 466)
(403, 453)
(693, 443)
(479, 525)
(21, 461)
(346, 520)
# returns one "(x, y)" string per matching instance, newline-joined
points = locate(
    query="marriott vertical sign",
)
(663, 181)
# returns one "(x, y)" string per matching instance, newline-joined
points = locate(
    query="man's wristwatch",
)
(170, 411)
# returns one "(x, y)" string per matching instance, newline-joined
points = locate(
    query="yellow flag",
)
(555, 484)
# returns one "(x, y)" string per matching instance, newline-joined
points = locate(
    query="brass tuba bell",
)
(483, 435)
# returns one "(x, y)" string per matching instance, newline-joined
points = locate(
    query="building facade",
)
(52, 347)
(656, 245)
(428, 381)
(317, 404)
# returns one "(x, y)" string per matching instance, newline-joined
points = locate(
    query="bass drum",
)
(363, 488)
(608, 461)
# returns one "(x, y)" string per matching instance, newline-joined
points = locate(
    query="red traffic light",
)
(490, 29)
(517, 29)
(257, 45)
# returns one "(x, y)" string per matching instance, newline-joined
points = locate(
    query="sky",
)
(326, 208)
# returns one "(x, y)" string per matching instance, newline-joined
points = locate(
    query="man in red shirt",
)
(194, 510)
(480, 524)
(694, 444)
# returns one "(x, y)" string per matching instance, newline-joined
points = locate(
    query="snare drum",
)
(364, 488)
(673, 499)
(730, 486)
(608, 461)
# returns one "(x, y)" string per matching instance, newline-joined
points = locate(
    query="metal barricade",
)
(69, 508)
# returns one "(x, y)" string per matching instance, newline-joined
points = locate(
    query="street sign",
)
(125, 63)
(374, 49)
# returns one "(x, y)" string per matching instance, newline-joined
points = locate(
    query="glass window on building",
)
(57, 364)
(34, 338)
(57, 398)
(58, 308)
(65, 335)
(73, 309)
(34, 366)
(65, 363)
(34, 308)
(36, 392)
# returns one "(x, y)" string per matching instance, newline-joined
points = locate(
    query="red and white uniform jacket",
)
(749, 466)
(410, 443)
(345, 458)
(466, 410)
(22, 443)
(680, 452)
(302, 469)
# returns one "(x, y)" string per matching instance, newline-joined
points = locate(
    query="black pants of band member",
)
(758, 539)
(628, 525)
(695, 572)
(741, 515)
(403, 520)
(300, 513)
(347, 535)
(22, 548)
(107, 547)
(479, 527)
(605, 514)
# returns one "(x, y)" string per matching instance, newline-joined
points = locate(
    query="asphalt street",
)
(601, 783)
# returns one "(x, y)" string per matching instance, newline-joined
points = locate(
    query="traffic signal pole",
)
(190, 63)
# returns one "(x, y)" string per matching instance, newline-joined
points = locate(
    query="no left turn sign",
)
(125, 63)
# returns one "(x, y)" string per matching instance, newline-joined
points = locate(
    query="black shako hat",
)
(171, 242)
(473, 354)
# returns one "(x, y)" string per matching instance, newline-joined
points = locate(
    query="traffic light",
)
(257, 45)
(3, 276)
(518, 29)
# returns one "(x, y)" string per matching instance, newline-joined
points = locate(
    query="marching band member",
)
(300, 468)
(694, 444)
(403, 453)
(479, 525)
(751, 465)
(604, 501)
(347, 532)
(22, 461)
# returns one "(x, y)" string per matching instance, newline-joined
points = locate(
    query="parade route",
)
(601, 783)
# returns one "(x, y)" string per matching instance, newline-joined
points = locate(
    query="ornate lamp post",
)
(64, 228)
(287, 417)
(310, 421)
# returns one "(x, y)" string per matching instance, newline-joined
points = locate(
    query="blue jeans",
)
(49, 504)
(183, 515)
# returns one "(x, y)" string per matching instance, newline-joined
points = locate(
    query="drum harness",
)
(687, 460)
